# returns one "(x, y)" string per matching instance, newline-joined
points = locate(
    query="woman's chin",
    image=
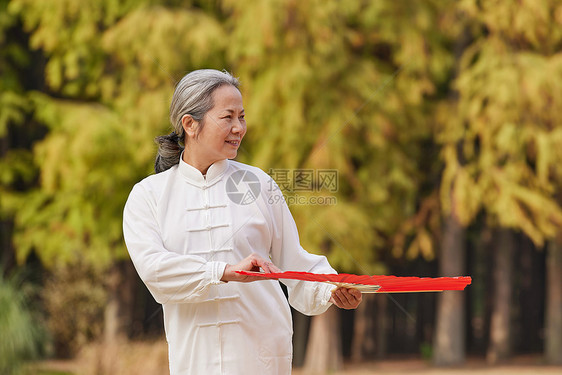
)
(231, 155)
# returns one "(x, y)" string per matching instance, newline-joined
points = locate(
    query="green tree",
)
(501, 150)
(431, 113)
(346, 86)
(108, 81)
(16, 173)
(109, 78)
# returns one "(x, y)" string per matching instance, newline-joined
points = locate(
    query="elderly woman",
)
(188, 230)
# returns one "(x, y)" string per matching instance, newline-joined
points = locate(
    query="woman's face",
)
(224, 128)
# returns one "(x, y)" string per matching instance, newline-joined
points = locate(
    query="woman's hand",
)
(252, 263)
(346, 298)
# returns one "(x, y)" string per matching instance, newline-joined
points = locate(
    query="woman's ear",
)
(189, 125)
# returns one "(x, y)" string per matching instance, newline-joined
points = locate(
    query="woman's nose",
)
(239, 126)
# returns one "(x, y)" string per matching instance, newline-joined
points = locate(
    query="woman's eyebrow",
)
(232, 110)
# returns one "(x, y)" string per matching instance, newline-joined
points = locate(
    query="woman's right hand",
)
(251, 263)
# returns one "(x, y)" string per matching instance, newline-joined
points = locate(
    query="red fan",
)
(374, 284)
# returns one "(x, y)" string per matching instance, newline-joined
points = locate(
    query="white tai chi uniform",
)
(182, 228)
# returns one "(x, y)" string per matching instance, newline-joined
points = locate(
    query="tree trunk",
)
(364, 340)
(380, 325)
(301, 324)
(118, 313)
(7, 256)
(500, 326)
(553, 318)
(449, 344)
(323, 353)
(112, 325)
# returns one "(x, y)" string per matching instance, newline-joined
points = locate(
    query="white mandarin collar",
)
(195, 177)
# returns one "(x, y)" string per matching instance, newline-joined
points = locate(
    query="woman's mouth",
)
(233, 142)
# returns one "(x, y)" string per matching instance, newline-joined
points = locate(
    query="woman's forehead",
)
(227, 97)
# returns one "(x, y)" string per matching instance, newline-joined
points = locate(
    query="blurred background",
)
(441, 118)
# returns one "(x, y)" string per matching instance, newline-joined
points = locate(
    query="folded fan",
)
(373, 284)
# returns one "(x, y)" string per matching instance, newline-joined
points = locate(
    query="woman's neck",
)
(201, 166)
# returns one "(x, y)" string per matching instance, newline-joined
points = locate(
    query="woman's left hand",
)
(346, 298)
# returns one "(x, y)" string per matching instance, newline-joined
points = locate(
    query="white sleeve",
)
(169, 276)
(310, 298)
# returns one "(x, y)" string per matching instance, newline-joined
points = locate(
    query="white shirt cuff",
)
(328, 289)
(215, 271)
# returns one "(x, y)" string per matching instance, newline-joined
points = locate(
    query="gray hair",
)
(193, 96)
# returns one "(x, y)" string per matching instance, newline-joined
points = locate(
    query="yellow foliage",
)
(417, 124)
